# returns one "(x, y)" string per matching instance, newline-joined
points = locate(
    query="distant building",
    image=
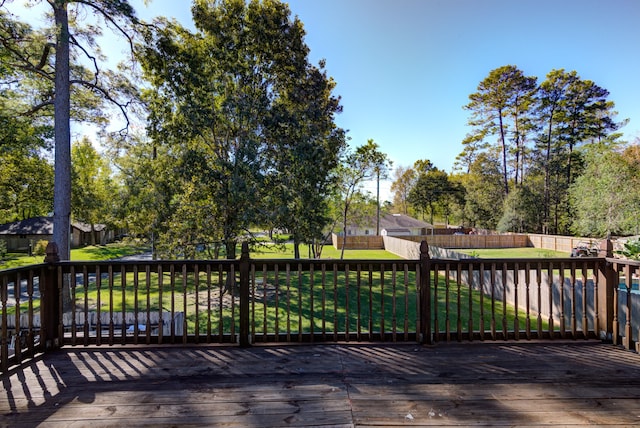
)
(393, 225)
(20, 234)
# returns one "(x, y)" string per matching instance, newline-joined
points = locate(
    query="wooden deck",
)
(471, 384)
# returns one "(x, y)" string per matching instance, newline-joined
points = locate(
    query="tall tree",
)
(305, 147)
(219, 96)
(357, 167)
(500, 108)
(62, 72)
(605, 198)
(404, 178)
(93, 189)
(572, 112)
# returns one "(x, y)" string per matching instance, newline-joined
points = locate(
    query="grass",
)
(92, 252)
(281, 306)
(514, 253)
(285, 251)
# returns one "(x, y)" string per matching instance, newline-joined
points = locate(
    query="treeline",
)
(238, 132)
(541, 157)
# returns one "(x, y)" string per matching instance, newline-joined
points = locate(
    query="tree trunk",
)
(62, 151)
(62, 133)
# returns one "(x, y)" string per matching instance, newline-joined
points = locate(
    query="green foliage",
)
(606, 197)
(40, 248)
(631, 249)
(3, 249)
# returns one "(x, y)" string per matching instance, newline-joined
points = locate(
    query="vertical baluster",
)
(196, 285)
(406, 301)
(616, 325)
(493, 302)
(324, 302)
(527, 281)
(123, 307)
(17, 291)
(470, 321)
(436, 305)
(335, 302)
(30, 334)
(98, 326)
(516, 319)
(539, 305)
(220, 309)
(172, 293)
(382, 327)
(394, 325)
(370, 326)
(550, 291)
(161, 319)
(358, 302)
(347, 315)
(85, 289)
(585, 322)
(628, 281)
(447, 314)
(574, 323)
(112, 291)
(288, 285)
(311, 302)
(300, 327)
(505, 331)
(232, 319)
(265, 280)
(481, 290)
(136, 308)
(208, 276)
(596, 299)
(459, 302)
(72, 292)
(276, 303)
(563, 329)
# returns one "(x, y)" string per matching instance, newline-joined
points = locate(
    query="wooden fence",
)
(247, 301)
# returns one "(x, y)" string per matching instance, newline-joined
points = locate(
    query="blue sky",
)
(405, 68)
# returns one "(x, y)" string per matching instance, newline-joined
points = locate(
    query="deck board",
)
(558, 384)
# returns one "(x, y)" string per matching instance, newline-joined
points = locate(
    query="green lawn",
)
(513, 253)
(92, 252)
(285, 251)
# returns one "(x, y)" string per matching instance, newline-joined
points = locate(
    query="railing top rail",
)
(20, 269)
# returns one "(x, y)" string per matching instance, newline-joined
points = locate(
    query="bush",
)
(3, 249)
(631, 249)
(40, 248)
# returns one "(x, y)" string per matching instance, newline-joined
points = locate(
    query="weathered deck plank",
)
(479, 384)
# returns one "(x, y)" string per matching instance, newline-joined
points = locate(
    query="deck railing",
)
(247, 301)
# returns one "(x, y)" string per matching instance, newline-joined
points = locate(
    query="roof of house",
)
(40, 226)
(30, 226)
(395, 221)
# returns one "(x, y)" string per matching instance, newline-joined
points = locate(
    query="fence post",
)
(245, 264)
(607, 280)
(425, 294)
(50, 300)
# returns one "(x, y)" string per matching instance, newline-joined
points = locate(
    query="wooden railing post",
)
(607, 282)
(245, 264)
(50, 300)
(425, 295)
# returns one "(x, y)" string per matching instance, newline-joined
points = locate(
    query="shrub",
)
(40, 248)
(3, 249)
(631, 249)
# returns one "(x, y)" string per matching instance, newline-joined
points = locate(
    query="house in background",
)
(20, 234)
(393, 225)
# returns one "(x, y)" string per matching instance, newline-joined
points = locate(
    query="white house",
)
(393, 225)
